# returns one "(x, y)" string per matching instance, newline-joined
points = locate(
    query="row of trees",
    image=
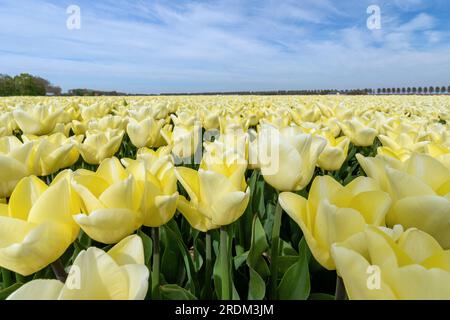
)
(367, 91)
(414, 90)
(26, 84)
(91, 92)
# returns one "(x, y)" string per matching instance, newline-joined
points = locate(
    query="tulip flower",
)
(95, 110)
(218, 192)
(119, 274)
(108, 122)
(79, 127)
(184, 139)
(439, 152)
(155, 171)
(37, 120)
(36, 226)
(288, 157)
(7, 124)
(233, 123)
(409, 266)
(420, 189)
(99, 146)
(334, 154)
(15, 159)
(51, 153)
(210, 120)
(110, 201)
(146, 133)
(333, 213)
(360, 134)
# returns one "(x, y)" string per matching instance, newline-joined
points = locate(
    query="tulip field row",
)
(225, 197)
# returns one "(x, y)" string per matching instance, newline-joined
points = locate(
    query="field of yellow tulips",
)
(225, 197)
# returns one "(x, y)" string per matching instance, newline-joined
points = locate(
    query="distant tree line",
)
(91, 92)
(26, 84)
(366, 91)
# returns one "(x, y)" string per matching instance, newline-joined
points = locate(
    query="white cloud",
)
(421, 22)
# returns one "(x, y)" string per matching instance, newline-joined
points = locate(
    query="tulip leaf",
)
(239, 260)
(148, 247)
(285, 262)
(295, 284)
(84, 240)
(256, 263)
(171, 260)
(320, 296)
(257, 286)
(175, 292)
(5, 293)
(172, 229)
(258, 247)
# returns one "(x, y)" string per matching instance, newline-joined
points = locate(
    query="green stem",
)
(20, 278)
(208, 265)
(7, 280)
(156, 264)
(225, 261)
(340, 293)
(275, 251)
(58, 270)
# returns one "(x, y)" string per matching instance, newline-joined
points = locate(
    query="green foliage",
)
(25, 84)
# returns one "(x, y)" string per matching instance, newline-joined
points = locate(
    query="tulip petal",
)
(96, 276)
(190, 180)
(427, 213)
(38, 290)
(373, 205)
(41, 246)
(414, 282)
(137, 280)
(25, 195)
(109, 225)
(192, 214)
(419, 245)
(128, 251)
(353, 268)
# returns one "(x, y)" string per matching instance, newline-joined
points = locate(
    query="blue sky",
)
(190, 46)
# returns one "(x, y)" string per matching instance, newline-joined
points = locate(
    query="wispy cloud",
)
(160, 46)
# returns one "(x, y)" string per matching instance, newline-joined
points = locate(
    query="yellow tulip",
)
(398, 154)
(440, 152)
(359, 133)
(108, 122)
(333, 213)
(402, 141)
(334, 154)
(210, 120)
(155, 172)
(420, 189)
(303, 113)
(36, 227)
(99, 146)
(218, 192)
(119, 274)
(110, 201)
(95, 110)
(37, 119)
(78, 127)
(15, 159)
(288, 157)
(233, 123)
(405, 266)
(184, 138)
(7, 124)
(52, 153)
(146, 133)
